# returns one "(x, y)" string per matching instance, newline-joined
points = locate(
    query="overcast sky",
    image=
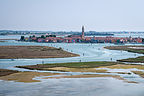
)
(70, 15)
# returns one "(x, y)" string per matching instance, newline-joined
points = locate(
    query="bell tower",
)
(82, 36)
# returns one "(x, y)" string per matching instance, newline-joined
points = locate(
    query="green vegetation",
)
(22, 38)
(50, 35)
(126, 48)
(69, 65)
(136, 60)
(42, 36)
(82, 64)
(129, 49)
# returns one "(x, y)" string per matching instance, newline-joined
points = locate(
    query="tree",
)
(42, 36)
(47, 35)
(22, 38)
(118, 41)
(33, 36)
(69, 35)
(52, 35)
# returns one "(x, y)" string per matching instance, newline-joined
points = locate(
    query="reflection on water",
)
(71, 87)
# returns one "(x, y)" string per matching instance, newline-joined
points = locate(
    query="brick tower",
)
(82, 36)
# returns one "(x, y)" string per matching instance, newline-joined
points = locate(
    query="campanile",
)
(82, 36)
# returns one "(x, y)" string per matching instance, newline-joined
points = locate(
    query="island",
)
(28, 52)
(134, 49)
(78, 69)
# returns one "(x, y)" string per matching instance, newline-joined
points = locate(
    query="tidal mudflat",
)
(89, 69)
(134, 49)
(19, 52)
(26, 77)
(95, 67)
(71, 81)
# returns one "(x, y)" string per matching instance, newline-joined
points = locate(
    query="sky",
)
(70, 15)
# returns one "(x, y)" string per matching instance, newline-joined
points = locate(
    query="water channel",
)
(102, 86)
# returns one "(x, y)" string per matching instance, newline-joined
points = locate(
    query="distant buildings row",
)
(76, 39)
(81, 39)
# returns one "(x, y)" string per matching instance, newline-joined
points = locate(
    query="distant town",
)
(81, 38)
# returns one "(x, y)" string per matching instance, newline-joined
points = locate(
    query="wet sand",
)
(124, 66)
(88, 76)
(139, 73)
(94, 67)
(26, 77)
(66, 69)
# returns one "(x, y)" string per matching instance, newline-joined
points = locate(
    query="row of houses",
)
(79, 39)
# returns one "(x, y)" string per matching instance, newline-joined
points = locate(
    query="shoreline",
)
(130, 48)
(89, 70)
(79, 65)
(30, 52)
(93, 67)
(19, 76)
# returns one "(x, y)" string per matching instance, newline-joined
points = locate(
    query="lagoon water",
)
(103, 86)
(92, 52)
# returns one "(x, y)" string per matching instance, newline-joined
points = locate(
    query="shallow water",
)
(101, 86)
(72, 87)
(94, 52)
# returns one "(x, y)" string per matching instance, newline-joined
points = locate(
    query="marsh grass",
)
(79, 65)
(126, 48)
(139, 59)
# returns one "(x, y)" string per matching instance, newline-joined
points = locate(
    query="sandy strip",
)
(92, 76)
(26, 77)
(122, 66)
(77, 69)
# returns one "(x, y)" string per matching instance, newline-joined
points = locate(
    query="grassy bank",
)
(139, 59)
(127, 48)
(72, 67)
(15, 52)
(134, 49)
(97, 67)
